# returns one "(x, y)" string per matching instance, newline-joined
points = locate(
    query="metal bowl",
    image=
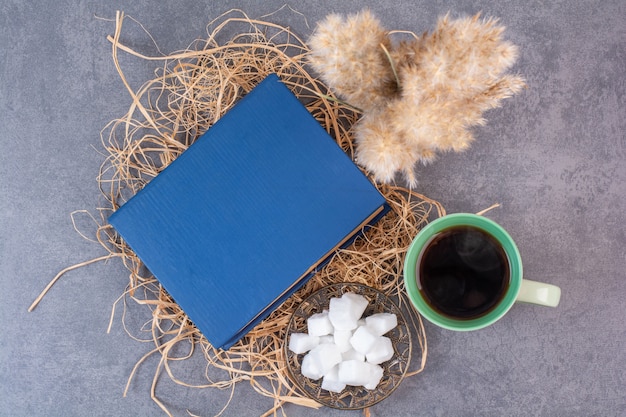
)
(394, 370)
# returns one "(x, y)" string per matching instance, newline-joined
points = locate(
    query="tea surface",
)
(463, 272)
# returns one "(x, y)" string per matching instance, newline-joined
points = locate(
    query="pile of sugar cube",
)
(342, 347)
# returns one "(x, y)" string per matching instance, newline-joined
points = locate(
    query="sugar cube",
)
(376, 374)
(342, 339)
(302, 342)
(310, 368)
(331, 381)
(381, 351)
(363, 339)
(359, 303)
(342, 314)
(319, 324)
(381, 323)
(355, 372)
(321, 359)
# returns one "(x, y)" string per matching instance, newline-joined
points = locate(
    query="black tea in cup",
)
(463, 272)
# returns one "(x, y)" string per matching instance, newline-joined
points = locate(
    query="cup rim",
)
(443, 223)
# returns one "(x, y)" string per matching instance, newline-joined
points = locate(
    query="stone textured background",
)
(553, 156)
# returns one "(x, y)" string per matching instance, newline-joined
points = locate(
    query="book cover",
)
(247, 213)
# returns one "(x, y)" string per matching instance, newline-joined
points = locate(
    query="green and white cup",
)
(519, 289)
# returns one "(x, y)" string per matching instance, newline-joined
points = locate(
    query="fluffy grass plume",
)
(350, 54)
(446, 80)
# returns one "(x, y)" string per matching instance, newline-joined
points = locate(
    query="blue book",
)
(248, 213)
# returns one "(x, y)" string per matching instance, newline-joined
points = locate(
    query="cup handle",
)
(539, 293)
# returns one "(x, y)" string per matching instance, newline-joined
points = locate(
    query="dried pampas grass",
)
(350, 54)
(191, 90)
(445, 81)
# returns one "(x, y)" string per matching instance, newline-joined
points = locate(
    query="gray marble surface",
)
(553, 156)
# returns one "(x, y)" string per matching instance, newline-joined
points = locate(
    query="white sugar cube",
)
(310, 368)
(320, 360)
(381, 323)
(352, 354)
(331, 381)
(363, 339)
(342, 339)
(376, 374)
(355, 372)
(342, 314)
(328, 338)
(319, 324)
(359, 303)
(302, 342)
(381, 351)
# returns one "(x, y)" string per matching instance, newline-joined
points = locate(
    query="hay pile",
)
(191, 90)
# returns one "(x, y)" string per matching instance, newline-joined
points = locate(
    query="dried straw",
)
(192, 89)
